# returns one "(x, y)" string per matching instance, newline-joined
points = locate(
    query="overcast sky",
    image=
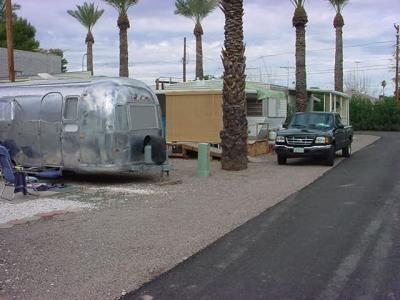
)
(156, 39)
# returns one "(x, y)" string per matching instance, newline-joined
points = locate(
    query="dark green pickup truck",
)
(314, 134)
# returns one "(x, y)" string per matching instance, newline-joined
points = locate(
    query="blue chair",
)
(17, 179)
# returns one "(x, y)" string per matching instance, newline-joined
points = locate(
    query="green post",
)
(203, 164)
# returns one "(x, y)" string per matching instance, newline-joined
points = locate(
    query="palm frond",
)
(87, 14)
(122, 6)
(197, 10)
(338, 5)
(298, 3)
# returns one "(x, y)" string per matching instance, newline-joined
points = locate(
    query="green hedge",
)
(383, 115)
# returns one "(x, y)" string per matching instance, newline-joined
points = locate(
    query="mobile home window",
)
(121, 118)
(71, 108)
(6, 111)
(277, 108)
(254, 108)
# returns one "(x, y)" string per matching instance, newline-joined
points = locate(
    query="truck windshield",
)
(312, 120)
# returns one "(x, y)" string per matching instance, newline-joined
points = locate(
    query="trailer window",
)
(71, 108)
(6, 111)
(121, 118)
(143, 117)
(51, 108)
(254, 108)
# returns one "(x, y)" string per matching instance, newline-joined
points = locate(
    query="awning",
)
(265, 92)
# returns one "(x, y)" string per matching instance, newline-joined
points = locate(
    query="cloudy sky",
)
(156, 40)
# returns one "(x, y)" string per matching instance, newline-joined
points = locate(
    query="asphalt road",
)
(338, 238)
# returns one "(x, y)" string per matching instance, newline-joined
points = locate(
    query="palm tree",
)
(196, 10)
(300, 21)
(87, 15)
(234, 133)
(122, 6)
(338, 23)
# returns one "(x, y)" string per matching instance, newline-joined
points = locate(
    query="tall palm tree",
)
(234, 133)
(196, 10)
(122, 6)
(87, 14)
(338, 23)
(300, 21)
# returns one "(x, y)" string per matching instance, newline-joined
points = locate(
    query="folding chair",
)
(13, 182)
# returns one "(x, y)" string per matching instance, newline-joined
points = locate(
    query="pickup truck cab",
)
(314, 134)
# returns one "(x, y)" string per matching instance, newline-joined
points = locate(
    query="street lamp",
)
(83, 57)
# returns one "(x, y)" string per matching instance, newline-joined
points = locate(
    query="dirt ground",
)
(133, 228)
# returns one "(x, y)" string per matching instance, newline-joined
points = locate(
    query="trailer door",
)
(70, 134)
(50, 129)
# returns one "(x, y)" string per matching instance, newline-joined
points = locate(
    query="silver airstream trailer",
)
(95, 125)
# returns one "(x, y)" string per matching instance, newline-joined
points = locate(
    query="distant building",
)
(30, 63)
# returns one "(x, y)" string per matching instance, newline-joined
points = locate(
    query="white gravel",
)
(16, 211)
(126, 190)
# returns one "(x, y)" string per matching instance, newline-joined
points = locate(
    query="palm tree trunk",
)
(123, 52)
(339, 60)
(198, 32)
(89, 52)
(234, 133)
(301, 77)
(89, 57)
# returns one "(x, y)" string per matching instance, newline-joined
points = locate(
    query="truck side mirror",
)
(341, 126)
(285, 125)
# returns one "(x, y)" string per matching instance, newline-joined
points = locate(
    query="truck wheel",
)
(330, 159)
(282, 160)
(346, 152)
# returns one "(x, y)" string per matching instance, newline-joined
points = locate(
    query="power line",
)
(365, 68)
(326, 64)
(324, 49)
(326, 72)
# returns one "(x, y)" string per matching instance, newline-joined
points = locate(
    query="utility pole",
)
(10, 43)
(397, 94)
(184, 59)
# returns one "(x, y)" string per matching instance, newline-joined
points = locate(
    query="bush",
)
(383, 115)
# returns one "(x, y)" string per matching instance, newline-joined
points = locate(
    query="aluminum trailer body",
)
(92, 125)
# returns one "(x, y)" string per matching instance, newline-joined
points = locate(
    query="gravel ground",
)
(132, 237)
(11, 211)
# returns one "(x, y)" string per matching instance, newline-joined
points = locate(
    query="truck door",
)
(70, 132)
(340, 133)
(50, 129)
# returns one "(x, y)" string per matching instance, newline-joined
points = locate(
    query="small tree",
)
(3, 10)
(383, 84)
(57, 52)
(24, 35)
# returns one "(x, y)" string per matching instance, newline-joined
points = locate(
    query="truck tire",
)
(346, 152)
(330, 158)
(282, 160)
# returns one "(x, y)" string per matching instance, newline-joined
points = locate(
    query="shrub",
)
(383, 115)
